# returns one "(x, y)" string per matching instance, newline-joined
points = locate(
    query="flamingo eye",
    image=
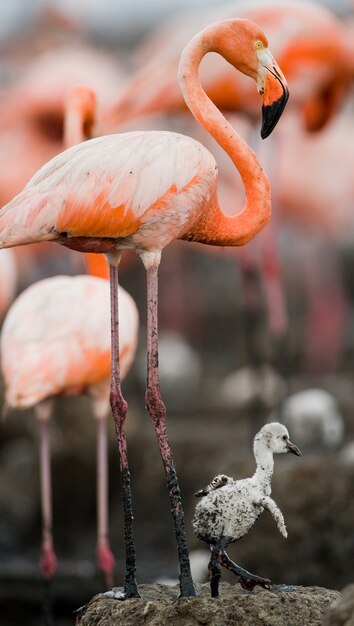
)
(258, 44)
(285, 437)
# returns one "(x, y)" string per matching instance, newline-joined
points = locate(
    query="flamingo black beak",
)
(291, 447)
(274, 88)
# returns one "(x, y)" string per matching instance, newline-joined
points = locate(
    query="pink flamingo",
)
(141, 190)
(319, 205)
(32, 120)
(308, 40)
(78, 122)
(8, 280)
(51, 345)
(32, 109)
(310, 44)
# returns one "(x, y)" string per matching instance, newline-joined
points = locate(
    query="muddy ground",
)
(297, 606)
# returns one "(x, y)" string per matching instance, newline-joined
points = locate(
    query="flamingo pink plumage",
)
(8, 280)
(33, 108)
(79, 119)
(51, 345)
(141, 190)
(308, 40)
(310, 44)
(32, 120)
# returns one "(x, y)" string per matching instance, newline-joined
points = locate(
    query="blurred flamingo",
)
(32, 115)
(8, 280)
(51, 345)
(33, 108)
(79, 117)
(317, 205)
(80, 120)
(141, 190)
(308, 189)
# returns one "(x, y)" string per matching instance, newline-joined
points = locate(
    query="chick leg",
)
(246, 579)
(214, 568)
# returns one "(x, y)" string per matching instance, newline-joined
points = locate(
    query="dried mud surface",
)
(341, 612)
(160, 606)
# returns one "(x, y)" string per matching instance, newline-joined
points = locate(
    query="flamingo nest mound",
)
(159, 606)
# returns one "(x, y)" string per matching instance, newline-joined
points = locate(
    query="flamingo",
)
(8, 280)
(53, 298)
(33, 108)
(32, 120)
(229, 508)
(310, 44)
(50, 346)
(141, 190)
(308, 40)
(318, 205)
(80, 122)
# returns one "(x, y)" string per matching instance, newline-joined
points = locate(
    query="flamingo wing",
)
(109, 187)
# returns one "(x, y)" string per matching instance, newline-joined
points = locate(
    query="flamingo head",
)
(274, 437)
(271, 84)
(243, 44)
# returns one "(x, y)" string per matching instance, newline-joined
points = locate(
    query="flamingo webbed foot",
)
(106, 562)
(121, 593)
(48, 561)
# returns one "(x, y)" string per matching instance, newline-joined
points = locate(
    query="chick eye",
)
(258, 44)
(285, 437)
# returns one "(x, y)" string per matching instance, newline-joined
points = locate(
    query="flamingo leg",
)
(157, 412)
(119, 411)
(48, 560)
(105, 558)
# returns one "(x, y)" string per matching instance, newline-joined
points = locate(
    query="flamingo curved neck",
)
(217, 228)
(79, 115)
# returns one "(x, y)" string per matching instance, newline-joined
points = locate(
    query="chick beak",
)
(292, 448)
(274, 88)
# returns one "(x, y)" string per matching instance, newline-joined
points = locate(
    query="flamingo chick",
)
(141, 190)
(51, 345)
(229, 507)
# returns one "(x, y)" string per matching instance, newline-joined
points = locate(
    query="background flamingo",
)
(51, 345)
(80, 113)
(32, 115)
(8, 280)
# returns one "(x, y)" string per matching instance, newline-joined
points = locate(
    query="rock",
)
(159, 606)
(341, 612)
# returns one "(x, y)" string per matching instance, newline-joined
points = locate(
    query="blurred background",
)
(261, 333)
